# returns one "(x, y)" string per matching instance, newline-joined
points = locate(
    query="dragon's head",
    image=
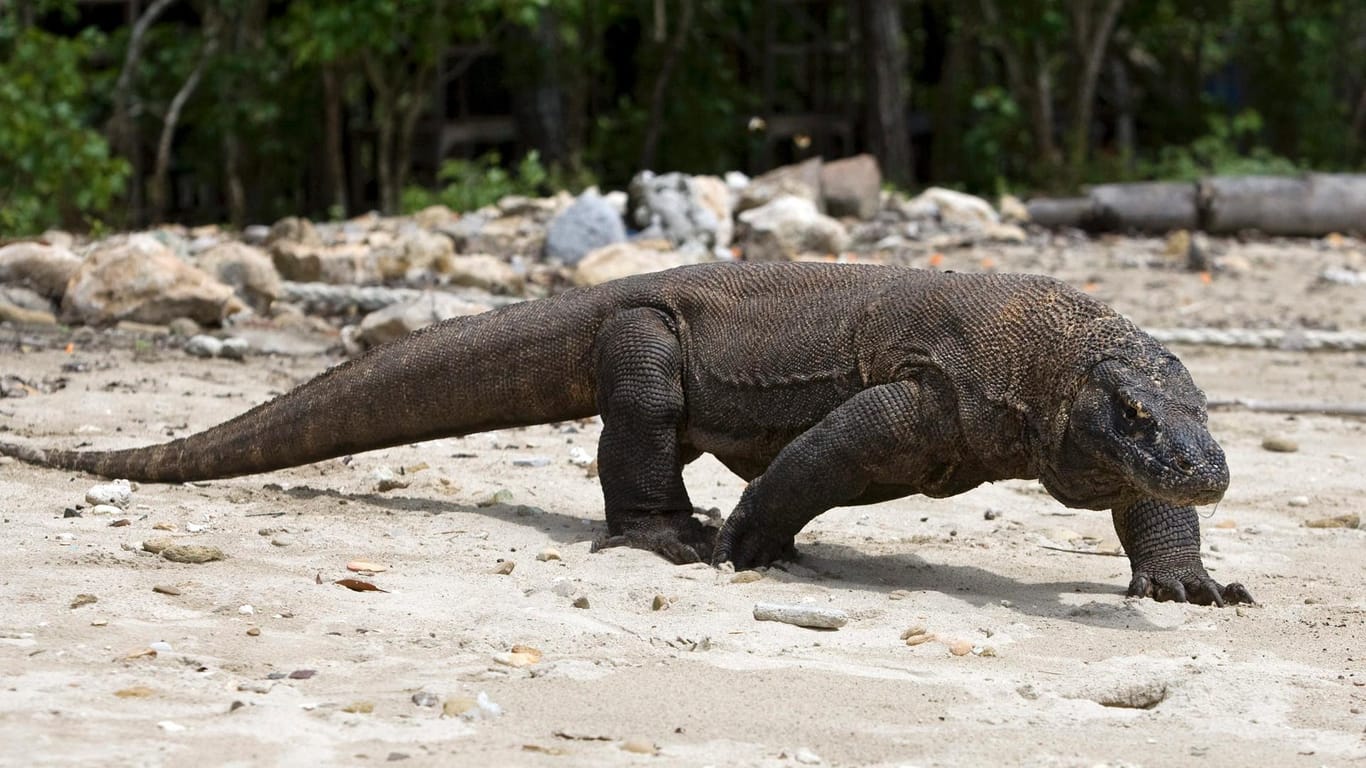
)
(1137, 427)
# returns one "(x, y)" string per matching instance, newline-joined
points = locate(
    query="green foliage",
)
(1227, 148)
(471, 184)
(54, 169)
(997, 140)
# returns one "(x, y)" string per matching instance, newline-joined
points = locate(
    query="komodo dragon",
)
(822, 385)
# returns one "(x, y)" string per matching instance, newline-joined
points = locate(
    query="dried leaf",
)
(356, 585)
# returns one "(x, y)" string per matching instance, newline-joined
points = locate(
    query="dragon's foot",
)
(1185, 582)
(751, 548)
(677, 537)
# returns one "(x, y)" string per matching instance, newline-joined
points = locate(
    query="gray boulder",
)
(396, 320)
(589, 223)
(787, 228)
(683, 209)
(852, 186)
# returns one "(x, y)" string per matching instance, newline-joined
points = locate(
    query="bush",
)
(54, 170)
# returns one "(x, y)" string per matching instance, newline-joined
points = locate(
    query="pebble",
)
(234, 348)
(520, 656)
(1297, 501)
(253, 632)
(458, 705)
(915, 640)
(501, 496)
(563, 587)
(365, 566)
(203, 345)
(504, 568)
(165, 589)
(70, 512)
(426, 699)
(580, 602)
(160, 646)
(386, 480)
(579, 457)
(807, 757)
(191, 553)
(195, 528)
(246, 610)
(163, 526)
(801, 615)
(659, 603)
(255, 686)
(282, 540)
(65, 538)
(302, 674)
(898, 594)
(170, 727)
(960, 648)
(548, 554)
(105, 509)
(746, 577)
(118, 493)
(1277, 444)
(531, 461)
(83, 599)
(639, 746)
(359, 707)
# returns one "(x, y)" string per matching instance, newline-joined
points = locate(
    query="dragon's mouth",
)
(1168, 478)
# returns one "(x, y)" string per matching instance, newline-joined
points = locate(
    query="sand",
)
(1058, 668)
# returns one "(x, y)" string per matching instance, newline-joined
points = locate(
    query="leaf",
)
(356, 585)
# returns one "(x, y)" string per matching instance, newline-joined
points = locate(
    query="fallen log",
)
(1288, 406)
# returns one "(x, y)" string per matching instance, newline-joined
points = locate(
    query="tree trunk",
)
(386, 118)
(1034, 91)
(122, 128)
(158, 191)
(1091, 36)
(332, 133)
(885, 72)
(654, 127)
(1124, 113)
(232, 176)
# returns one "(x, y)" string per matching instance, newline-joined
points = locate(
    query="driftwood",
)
(1298, 339)
(1289, 406)
(1311, 205)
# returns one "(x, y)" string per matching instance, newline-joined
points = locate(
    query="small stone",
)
(70, 512)
(135, 692)
(170, 727)
(801, 615)
(255, 686)
(426, 699)
(194, 528)
(104, 509)
(165, 589)
(1339, 521)
(394, 757)
(807, 757)
(253, 632)
(160, 646)
(100, 623)
(234, 348)
(504, 568)
(64, 538)
(1226, 524)
(914, 630)
(302, 674)
(501, 496)
(1297, 501)
(639, 746)
(659, 603)
(746, 577)
(83, 599)
(118, 493)
(960, 648)
(898, 594)
(458, 705)
(163, 526)
(990, 514)
(915, 640)
(360, 707)
(191, 553)
(580, 602)
(531, 461)
(1278, 444)
(386, 480)
(520, 656)
(282, 540)
(548, 554)
(158, 545)
(986, 651)
(564, 587)
(203, 345)
(246, 610)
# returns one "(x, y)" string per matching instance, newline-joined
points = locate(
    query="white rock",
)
(246, 610)
(956, 207)
(118, 493)
(234, 348)
(203, 346)
(160, 646)
(170, 727)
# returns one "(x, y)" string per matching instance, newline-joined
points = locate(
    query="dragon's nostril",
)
(1184, 464)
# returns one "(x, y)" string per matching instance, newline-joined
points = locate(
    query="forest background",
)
(125, 113)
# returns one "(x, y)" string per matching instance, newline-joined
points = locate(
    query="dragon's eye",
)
(1130, 412)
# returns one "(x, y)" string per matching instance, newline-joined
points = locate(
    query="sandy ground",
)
(1059, 657)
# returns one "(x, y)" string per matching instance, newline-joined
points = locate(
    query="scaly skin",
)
(823, 385)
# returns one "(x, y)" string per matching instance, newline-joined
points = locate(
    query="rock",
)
(580, 602)
(625, 259)
(190, 553)
(547, 554)
(504, 568)
(295, 230)
(434, 216)
(807, 757)
(234, 348)
(166, 589)
(157, 545)
(852, 186)
(83, 599)
(955, 207)
(183, 327)
(249, 270)
(396, 320)
(589, 223)
(16, 307)
(1012, 209)
(1297, 501)
(413, 254)
(485, 272)
(203, 346)
(386, 480)
(519, 656)
(800, 180)
(282, 540)
(659, 603)
(1003, 233)
(255, 234)
(1339, 521)
(801, 615)
(746, 577)
(140, 279)
(787, 228)
(1277, 444)
(456, 706)
(426, 699)
(960, 648)
(346, 264)
(1143, 694)
(639, 746)
(45, 269)
(117, 493)
(682, 209)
